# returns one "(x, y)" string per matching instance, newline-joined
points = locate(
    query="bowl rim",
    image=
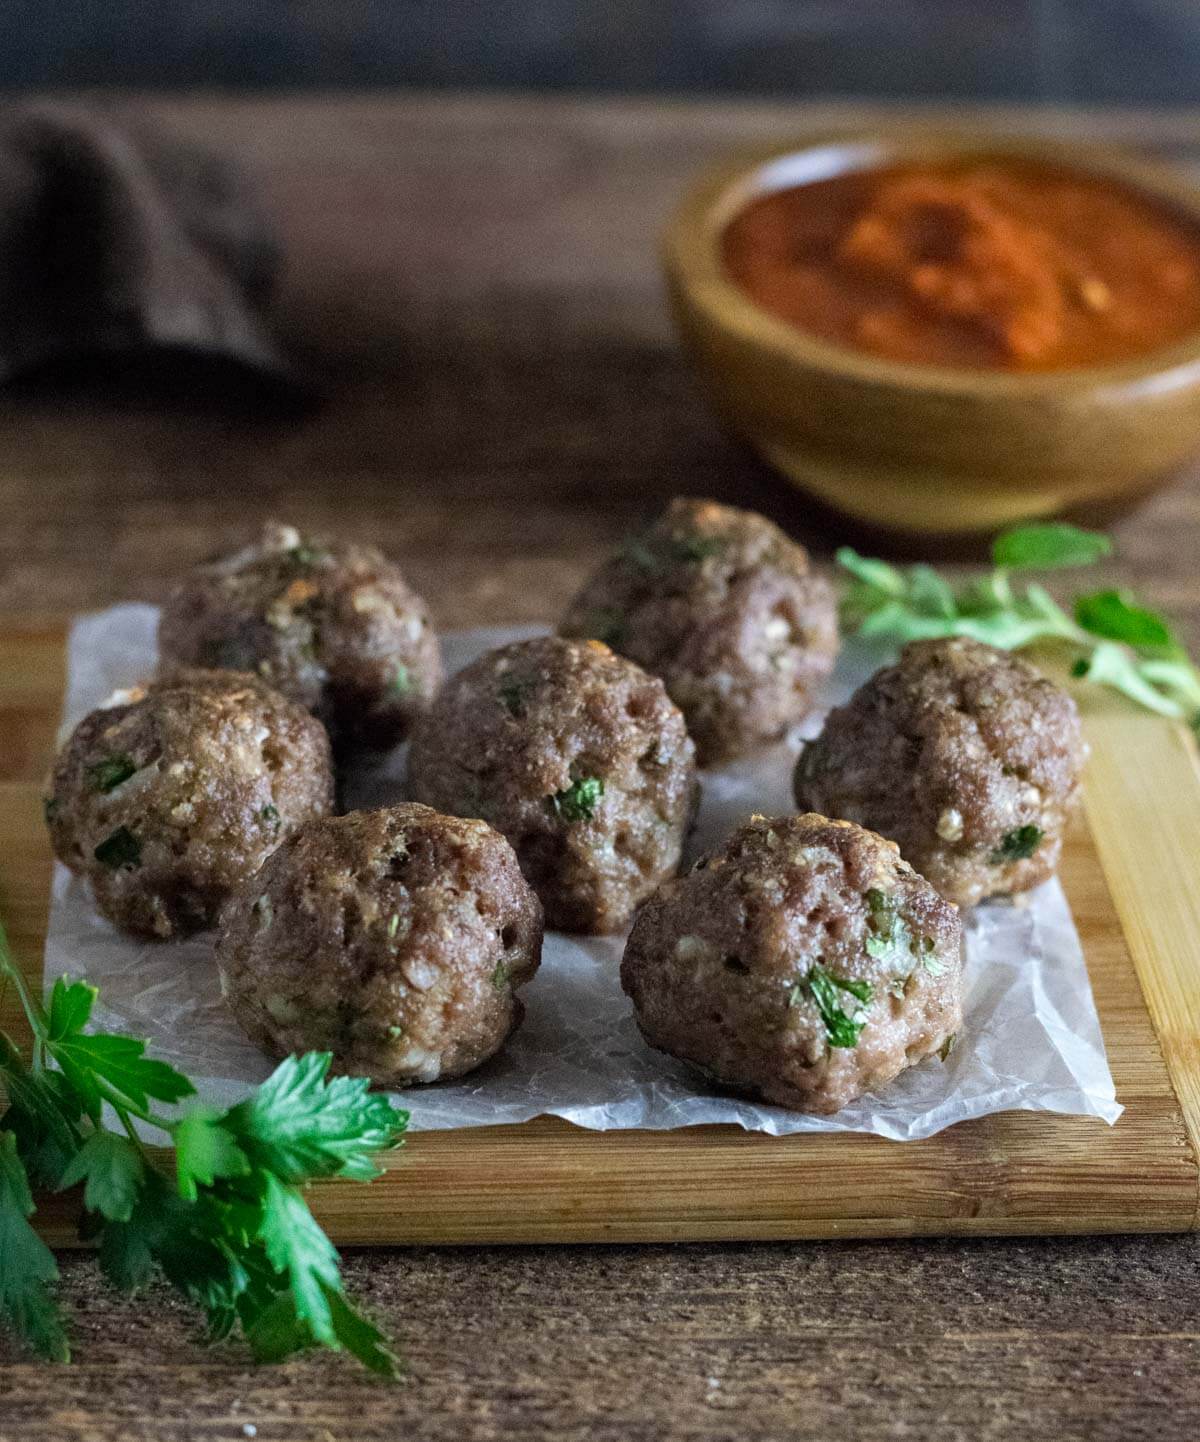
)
(692, 250)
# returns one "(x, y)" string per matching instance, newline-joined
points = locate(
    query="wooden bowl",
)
(922, 448)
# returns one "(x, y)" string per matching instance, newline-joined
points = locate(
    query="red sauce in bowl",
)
(983, 263)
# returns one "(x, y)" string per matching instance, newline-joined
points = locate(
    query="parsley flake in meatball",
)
(395, 939)
(332, 625)
(167, 798)
(725, 607)
(804, 962)
(965, 756)
(579, 758)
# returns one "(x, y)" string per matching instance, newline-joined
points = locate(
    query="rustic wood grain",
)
(474, 282)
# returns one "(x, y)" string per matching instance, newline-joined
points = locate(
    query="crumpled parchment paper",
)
(1031, 1039)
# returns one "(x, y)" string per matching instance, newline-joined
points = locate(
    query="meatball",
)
(804, 962)
(394, 939)
(579, 758)
(725, 608)
(963, 755)
(170, 795)
(331, 625)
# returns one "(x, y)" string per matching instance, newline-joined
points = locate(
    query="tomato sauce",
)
(982, 263)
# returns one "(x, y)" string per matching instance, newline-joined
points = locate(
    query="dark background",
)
(1090, 51)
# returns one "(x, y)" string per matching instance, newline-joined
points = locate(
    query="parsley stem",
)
(125, 1109)
(33, 1009)
(130, 1129)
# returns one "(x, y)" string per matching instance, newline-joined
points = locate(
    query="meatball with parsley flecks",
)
(579, 758)
(965, 756)
(166, 798)
(395, 939)
(803, 962)
(332, 625)
(725, 607)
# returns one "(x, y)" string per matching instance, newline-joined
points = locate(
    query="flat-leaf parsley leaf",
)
(233, 1234)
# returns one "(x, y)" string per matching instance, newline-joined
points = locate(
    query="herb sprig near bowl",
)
(1117, 642)
(231, 1230)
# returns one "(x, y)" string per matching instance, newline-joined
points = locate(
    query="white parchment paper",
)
(1031, 1039)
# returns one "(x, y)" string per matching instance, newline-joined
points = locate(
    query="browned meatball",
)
(804, 962)
(724, 607)
(168, 797)
(579, 758)
(963, 755)
(331, 625)
(394, 939)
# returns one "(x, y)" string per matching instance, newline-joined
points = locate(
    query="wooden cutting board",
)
(1132, 872)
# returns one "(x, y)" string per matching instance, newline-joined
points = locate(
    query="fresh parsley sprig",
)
(231, 1230)
(1117, 642)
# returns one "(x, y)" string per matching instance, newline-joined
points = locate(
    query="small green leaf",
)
(402, 683)
(275, 1332)
(841, 1030)
(300, 1125)
(1113, 615)
(27, 1266)
(500, 976)
(204, 1151)
(120, 848)
(578, 801)
(1048, 547)
(71, 1005)
(514, 693)
(930, 594)
(306, 555)
(300, 1250)
(1017, 845)
(360, 1337)
(1112, 665)
(120, 1062)
(112, 1168)
(269, 816)
(108, 774)
(876, 574)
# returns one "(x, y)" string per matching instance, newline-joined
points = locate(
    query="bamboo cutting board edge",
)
(547, 1181)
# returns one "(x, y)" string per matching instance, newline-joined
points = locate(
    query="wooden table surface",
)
(473, 282)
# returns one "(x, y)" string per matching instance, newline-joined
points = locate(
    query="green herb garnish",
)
(579, 801)
(231, 1230)
(269, 815)
(1018, 845)
(513, 694)
(108, 774)
(501, 975)
(393, 925)
(888, 937)
(120, 848)
(1122, 644)
(947, 1046)
(306, 555)
(823, 987)
(402, 683)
